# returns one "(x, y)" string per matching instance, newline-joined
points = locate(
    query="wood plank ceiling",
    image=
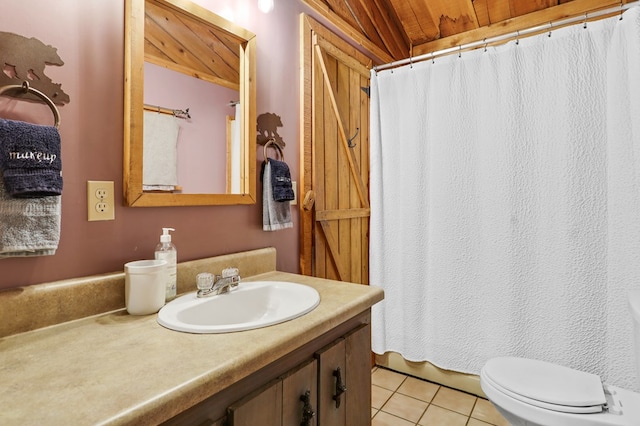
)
(190, 45)
(397, 29)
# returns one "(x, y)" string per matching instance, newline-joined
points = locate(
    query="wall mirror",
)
(190, 109)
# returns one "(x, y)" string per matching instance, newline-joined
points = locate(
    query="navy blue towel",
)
(281, 181)
(30, 159)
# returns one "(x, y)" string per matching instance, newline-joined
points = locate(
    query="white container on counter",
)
(145, 286)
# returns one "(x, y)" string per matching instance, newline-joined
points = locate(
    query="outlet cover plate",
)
(100, 200)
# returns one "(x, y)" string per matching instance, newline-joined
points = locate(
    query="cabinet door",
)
(263, 407)
(358, 374)
(331, 384)
(300, 395)
(344, 380)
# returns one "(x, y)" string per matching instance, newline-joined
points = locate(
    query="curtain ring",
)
(485, 43)
(621, 10)
(517, 37)
(585, 20)
(460, 51)
(550, 28)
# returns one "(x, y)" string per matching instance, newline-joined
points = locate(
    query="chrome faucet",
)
(211, 285)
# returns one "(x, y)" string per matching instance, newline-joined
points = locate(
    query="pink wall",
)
(89, 36)
(202, 142)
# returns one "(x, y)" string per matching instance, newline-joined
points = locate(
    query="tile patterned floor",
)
(399, 400)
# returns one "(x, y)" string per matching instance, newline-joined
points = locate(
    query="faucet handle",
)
(230, 272)
(205, 280)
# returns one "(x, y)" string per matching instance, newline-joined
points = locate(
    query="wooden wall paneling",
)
(392, 30)
(306, 150)
(341, 93)
(419, 27)
(363, 150)
(541, 17)
(351, 32)
(455, 17)
(322, 127)
(519, 8)
(360, 19)
(355, 126)
(331, 156)
(341, 205)
(387, 32)
(482, 11)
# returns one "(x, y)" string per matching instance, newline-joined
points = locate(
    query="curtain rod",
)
(539, 28)
(178, 113)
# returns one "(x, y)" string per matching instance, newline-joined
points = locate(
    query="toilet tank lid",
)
(546, 382)
(634, 304)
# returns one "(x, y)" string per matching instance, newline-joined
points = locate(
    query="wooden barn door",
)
(335, 173)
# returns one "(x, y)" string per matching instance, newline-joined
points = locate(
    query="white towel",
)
(160, 150)
(29, 226)
(276, 215)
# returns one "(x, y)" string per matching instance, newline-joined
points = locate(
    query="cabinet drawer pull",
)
(340, 387)
(307, 409)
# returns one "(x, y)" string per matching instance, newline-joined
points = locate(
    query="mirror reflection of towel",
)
(160, 149)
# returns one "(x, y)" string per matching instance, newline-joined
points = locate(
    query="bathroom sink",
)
(251, 305)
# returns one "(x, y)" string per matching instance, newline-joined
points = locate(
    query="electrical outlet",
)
(100, 200)
(294, 185)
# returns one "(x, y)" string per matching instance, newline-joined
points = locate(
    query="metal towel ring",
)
(270, 142)
(26, 88)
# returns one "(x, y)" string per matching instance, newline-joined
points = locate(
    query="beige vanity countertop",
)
(121, 369)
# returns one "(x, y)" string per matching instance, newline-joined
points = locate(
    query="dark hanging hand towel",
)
(281, 181)
(30, 159)
(276, 215)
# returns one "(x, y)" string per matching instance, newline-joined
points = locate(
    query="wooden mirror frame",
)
(134, 60)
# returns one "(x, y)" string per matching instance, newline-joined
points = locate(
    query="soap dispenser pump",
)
(165, 250)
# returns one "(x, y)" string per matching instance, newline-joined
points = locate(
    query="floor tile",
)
(476, 422)
(385, 419)
(485, 411)
(420, 389)
(437, 416)
(405, 407)
(399, 400)
(379, 396)
(387, 379)
(454, 400)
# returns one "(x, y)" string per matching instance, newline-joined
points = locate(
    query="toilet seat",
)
(546, 385)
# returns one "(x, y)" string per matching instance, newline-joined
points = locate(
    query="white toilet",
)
(536, 393)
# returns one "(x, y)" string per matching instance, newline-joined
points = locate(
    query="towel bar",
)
(25, 87)
(273, 142)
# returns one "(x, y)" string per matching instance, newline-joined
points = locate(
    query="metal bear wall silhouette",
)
(25, 59)
(267, 128)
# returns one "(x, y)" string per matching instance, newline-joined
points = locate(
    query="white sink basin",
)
(251, 305)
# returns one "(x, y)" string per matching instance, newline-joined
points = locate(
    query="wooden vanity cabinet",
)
(290, 400)
(272, 396)
(341, 373)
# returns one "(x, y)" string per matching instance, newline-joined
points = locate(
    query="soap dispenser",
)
(165, 250)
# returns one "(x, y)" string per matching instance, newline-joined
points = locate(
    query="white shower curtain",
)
(505, 196)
